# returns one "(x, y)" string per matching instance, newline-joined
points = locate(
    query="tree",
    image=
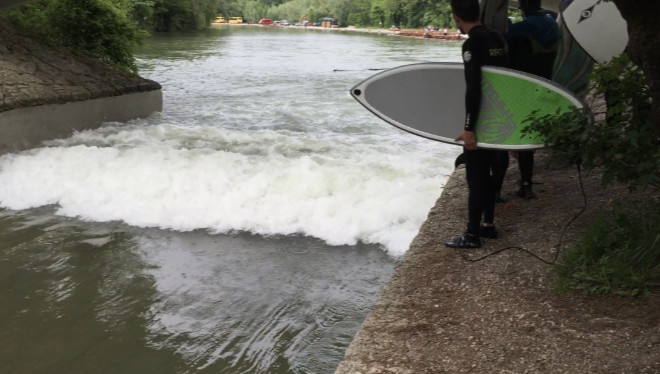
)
(251, 10)
(415, 12)
(232, 8)
(644, 44)
(359, 13)
(183, 15)
(101, 29)
(378, 12)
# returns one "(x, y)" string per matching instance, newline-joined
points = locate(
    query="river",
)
(248, 228)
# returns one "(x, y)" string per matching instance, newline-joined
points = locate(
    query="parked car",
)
(220, 20)
(236, 20)
(265, 21)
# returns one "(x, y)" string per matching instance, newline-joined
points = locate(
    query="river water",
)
(248, 228)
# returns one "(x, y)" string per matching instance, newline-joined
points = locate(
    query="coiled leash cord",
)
(557, 247)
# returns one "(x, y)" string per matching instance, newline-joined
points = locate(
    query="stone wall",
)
(48, 92)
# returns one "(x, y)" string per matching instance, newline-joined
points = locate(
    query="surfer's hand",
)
(469, 140)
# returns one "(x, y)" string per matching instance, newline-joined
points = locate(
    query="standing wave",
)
(342, 189)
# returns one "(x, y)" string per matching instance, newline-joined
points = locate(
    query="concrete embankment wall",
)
(49, 92)
(26, 128)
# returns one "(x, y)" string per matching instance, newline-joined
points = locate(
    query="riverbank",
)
(445, 312)
(35, 74)
(48, 92)
(413, 33)
(408, 33)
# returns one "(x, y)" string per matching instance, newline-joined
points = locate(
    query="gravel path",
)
(443, 314)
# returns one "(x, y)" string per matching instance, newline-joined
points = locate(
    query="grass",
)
(618, 254)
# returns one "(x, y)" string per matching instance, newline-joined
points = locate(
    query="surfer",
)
(533, 45)
(484, 46)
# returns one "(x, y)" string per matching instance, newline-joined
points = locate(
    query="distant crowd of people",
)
(429, 30)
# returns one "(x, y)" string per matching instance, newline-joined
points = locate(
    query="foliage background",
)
(111, 29)
(361, 13)
(102, 29)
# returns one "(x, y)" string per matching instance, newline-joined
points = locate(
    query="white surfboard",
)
(428, 100)
(545, 4)
(495, 14)
(598, 27)
(573, 65)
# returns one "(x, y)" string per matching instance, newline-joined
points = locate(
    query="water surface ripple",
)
(248, 228)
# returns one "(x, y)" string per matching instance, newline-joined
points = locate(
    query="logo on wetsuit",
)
(495, 52)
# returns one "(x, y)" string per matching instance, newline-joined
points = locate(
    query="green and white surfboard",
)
(428, 100)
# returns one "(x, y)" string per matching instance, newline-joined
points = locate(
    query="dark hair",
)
(529, 5)
(467, 10)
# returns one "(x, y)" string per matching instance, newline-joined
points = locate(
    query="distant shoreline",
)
(407, 33)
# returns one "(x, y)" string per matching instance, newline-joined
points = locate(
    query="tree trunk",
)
(644, 45)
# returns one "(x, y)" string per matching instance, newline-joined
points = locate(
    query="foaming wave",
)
(341, 190)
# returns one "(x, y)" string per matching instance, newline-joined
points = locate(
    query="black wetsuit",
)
(484, 46)
(533, 45)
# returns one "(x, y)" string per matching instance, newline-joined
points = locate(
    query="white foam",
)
(205, 178)
(341, 190)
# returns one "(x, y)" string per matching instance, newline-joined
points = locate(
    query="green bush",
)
(619, 254)
(97, 28)
(623, 140)
(182, 15)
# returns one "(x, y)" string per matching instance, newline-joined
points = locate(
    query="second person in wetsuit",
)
(533, 45)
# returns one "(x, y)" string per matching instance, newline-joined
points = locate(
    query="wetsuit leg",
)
(500, 166)
(481, 195)
(526, 166)
(496, 161)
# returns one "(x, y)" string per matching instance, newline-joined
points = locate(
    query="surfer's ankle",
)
(489, 231)
(499, 198)
(525, 190)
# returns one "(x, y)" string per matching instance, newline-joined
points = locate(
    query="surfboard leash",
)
(370, 69)
(557, 247)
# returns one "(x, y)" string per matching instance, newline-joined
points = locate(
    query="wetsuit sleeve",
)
(472, 62)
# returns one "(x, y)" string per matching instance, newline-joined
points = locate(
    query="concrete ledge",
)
(26, 128)
(442, 312)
